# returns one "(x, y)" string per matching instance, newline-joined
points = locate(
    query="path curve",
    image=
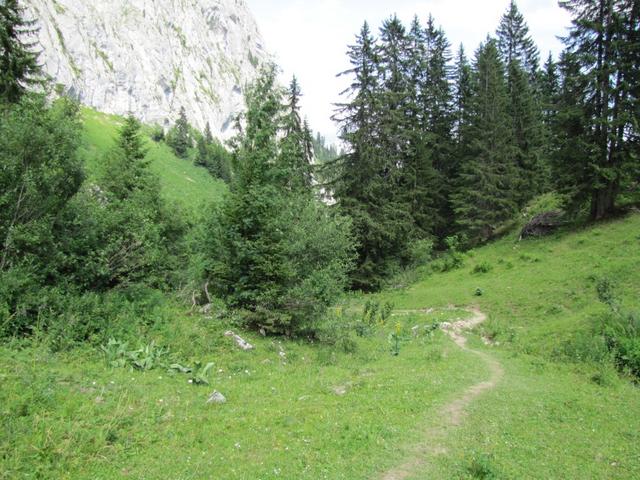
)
(452, 413)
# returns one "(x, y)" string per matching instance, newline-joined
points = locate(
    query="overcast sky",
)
(309, 38)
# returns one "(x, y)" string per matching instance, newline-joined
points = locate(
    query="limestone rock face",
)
(151, 57)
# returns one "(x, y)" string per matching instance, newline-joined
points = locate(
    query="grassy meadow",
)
(182, 182)
(348, 409)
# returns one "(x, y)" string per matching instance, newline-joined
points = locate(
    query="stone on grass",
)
(217, 398)
(241, 342)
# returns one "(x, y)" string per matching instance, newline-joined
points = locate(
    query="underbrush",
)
(614, 336)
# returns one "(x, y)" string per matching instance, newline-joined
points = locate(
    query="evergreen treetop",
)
(19, 67)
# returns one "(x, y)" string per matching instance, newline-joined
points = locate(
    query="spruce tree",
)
(366, 179)
(485, 196)
(421, 186)
(19, 67)
(437, 104)
(202, 147)
(603, 43)
(549, 90)
(528, 135)
(571, 134)
(126, 166)
(274, 253)
(296, 154)
(461, 96)
(515, 43)
(179, 137)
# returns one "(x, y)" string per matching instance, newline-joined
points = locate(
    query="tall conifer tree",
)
(604, 45)
(296, 156)
(485, 196)
(366, 183)
(19, 67)
(515, 42)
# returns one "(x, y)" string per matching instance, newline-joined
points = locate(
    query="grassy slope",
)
(182, 183)
(545, 420)
(69, 415)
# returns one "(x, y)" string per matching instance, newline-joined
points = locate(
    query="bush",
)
(621, 332)
(112, 235)
(282, 261)
(420, 252)
(39, 172)
(157, 133)
(484, 267)
(453, 258)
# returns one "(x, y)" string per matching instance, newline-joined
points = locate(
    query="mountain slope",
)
(152, 57)
(182, 182)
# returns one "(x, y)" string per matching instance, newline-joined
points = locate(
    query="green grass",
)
(538, 293)
(551, 416)
(70, 415)
(182, 182)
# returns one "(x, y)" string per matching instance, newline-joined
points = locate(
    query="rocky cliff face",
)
(151, 57)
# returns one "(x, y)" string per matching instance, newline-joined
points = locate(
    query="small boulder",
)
(241, 342)
(217, 398)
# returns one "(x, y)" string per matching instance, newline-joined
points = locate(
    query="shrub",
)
(282, 262)
(621, 331)
(481, 467)
(420, 252)
(157, 133)
(547, 202)
(453, 258)
(484, 267)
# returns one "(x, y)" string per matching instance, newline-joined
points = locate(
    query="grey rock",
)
(152, 57)
(217, 398)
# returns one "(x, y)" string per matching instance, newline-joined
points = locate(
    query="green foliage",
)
(200, 373)
(19, 67)
(275, 253)
(483, 267)
(146, 357)
(481, 467)
(40, 173)
(213, 156)
(453, 258)
(179, 136)
(157, 133)
(596, 125)
(120, 231)
(72, 243)
(396, 338)
(485, 195)
(548, 202)
(620, 330)
(376, 314)
(515, 43)
(366, 180)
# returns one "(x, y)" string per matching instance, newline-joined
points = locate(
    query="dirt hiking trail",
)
(451, 414)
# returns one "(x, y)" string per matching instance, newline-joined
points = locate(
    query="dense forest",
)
(441, 151)
(441, 146)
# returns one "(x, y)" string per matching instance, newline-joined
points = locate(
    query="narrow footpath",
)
(452, 414)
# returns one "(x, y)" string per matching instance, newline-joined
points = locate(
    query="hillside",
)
(182, 182)
(353, 410)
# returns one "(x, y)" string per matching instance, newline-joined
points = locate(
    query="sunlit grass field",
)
(349, 409)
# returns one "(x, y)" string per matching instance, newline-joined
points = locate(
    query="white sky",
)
(310, 38)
